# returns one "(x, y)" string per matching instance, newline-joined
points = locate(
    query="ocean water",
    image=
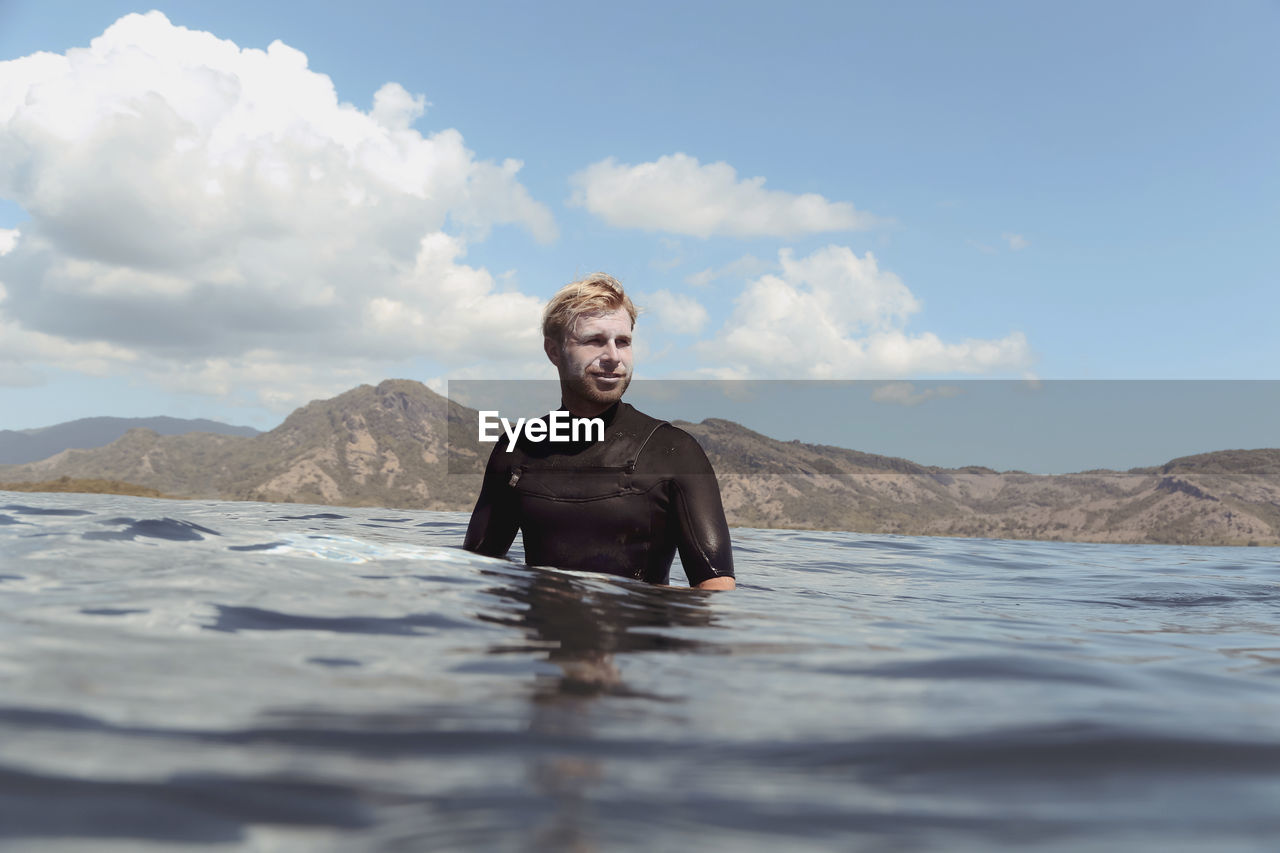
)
(242, 676)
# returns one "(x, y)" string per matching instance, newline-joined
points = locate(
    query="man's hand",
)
(718, 583)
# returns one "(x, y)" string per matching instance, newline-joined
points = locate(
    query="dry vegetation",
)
(401, 445)
(83, 486)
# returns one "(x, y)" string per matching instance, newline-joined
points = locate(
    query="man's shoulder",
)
(662, 431)
(669, 432)
(630, 414)
(674, 452)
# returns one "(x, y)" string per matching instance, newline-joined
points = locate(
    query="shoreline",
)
(91, 486)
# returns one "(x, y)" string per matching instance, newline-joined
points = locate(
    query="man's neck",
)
(587, 409)
(581, 408)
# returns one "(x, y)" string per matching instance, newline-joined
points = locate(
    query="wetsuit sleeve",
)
(702, 531)
(494, 521)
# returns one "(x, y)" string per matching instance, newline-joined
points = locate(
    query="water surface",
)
(210, 676)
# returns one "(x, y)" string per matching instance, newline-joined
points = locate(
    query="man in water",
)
(622, 505)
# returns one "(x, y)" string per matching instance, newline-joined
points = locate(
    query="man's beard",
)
(585, 389)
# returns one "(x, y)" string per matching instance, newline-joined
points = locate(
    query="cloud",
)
(678, 314)
(395, 108)
(281, 381)
(905, 393)
(835, 315)
(744, 267)
(406, 319)
(678, 194)
(1016, 241)
(217, 213)
(23, 352)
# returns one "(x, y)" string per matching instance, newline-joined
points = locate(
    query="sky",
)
(228, 210)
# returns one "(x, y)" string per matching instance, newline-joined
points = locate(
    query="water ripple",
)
(175, 674)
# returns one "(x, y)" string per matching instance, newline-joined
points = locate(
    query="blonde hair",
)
(598, 293)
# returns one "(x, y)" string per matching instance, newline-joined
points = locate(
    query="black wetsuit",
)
(622, 506)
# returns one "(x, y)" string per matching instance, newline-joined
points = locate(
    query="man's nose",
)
(611, 351)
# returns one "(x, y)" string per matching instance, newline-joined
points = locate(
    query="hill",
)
(93, 487)
(389, 446)
(1224, 498)
(31, 445)
(384, 446)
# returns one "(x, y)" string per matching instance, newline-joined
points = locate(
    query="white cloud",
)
(395, 108)
(406, 320)
(744, 267)
(676, 313)
(23, 352)
(906, 394)
(217, 213)
(530, 367)
(834, 315)
(281, 381)
(273, 379)
(678, 194)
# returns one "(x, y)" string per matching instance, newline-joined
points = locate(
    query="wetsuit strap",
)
(635, 455)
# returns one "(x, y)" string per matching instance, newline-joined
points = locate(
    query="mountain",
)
(30, 445)
(390, 446)
(384, 446)
(1224, 498)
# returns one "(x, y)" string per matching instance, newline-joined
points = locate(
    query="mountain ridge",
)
(32, 445)
(398, 444)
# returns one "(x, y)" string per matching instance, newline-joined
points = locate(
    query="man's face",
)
(594, 361)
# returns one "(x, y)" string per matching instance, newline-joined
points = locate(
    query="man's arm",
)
(702, 532)
(494, 521)
(718, 583)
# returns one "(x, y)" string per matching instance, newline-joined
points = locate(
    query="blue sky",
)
(844, 191)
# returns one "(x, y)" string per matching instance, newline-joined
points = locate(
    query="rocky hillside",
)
(389, 446)
(383, 446)
(1230, 497)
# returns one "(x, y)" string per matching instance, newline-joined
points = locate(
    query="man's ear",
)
(552, 349)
